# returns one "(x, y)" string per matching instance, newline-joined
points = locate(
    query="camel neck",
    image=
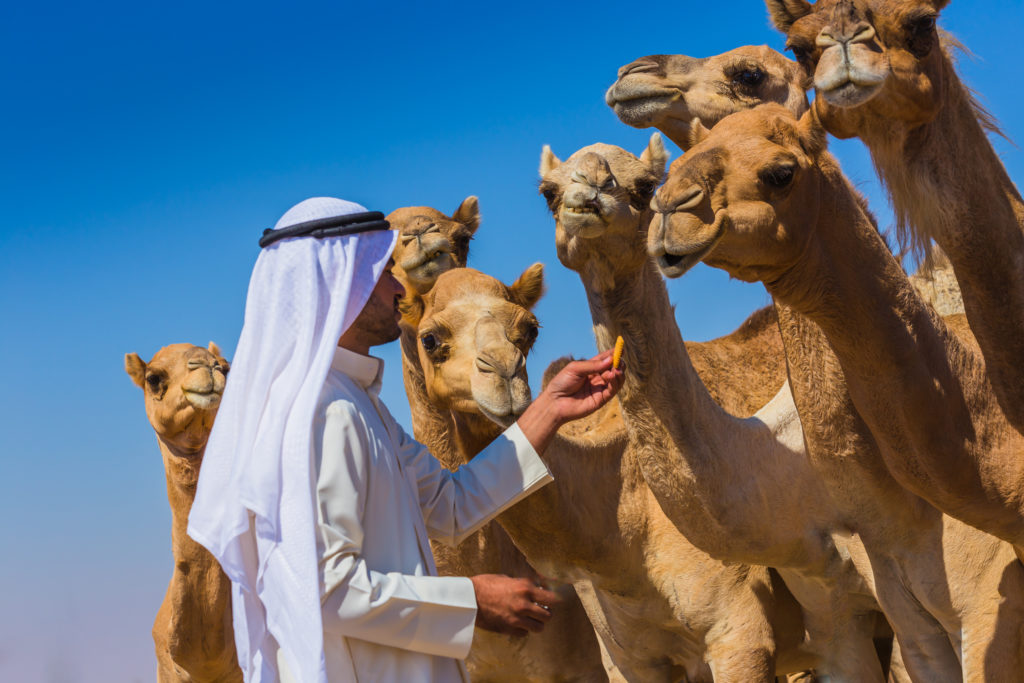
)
(896, 355)
(945, 179)
(199, 594)
(697, 458)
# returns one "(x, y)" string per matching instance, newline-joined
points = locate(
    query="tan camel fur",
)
(664, 610)
(668, 91)
(430, 244)
(739, 489)
(194, 640)
(883, 74)
(759, 197)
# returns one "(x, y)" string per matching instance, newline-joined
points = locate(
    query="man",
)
(319, 506)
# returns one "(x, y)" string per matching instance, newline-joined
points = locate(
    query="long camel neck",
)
(945, 179)
(199, 595)
(839, 444)
(918, 388)
(708, 469)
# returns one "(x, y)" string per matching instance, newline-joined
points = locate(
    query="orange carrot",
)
(617, 353)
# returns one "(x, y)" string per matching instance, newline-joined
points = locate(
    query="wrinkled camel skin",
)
(194, 639)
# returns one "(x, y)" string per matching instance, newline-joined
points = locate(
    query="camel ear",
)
(468, 213)
(785, 12)
(548, 161)
(529, 288)
(812, 134)
(655, 156)
(698, 131)
(136, 368)
(940, 4)
(214, 349)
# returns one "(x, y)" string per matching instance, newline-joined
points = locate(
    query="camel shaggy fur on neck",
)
(884, 73)
(193, 635)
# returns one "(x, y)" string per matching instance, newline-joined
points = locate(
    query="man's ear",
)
(468, 213)
(136, 368)
(785, 12)
(548, 161)
(529, 287)
(812, 134)
(655, 156)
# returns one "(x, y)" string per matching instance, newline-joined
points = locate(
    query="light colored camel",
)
(668, 91)
(883, 74)
(739, 489)
(665, 610)
(761, 198)
(430, 244)
(193, 633)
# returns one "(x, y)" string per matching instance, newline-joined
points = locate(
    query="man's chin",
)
(386, 336)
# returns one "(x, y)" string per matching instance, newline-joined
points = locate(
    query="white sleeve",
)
(430, 614)
(455, 504)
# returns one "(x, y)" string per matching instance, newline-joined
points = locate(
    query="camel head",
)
(668, 91)
(873, 62)
(740, 198)
(183, 385)
(600, 198)
(473, 337)
(430, 242)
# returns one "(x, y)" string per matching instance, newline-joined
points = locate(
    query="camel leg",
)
(897, 669)
(742, 665)
(840, 635)
(923, 643)
(992, 646)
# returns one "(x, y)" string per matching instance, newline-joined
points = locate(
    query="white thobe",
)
(387, 616)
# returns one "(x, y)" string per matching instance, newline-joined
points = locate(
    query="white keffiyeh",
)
(255, 504)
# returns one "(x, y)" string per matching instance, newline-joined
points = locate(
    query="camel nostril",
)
(670, 260)
(638, 67)
(692, 198)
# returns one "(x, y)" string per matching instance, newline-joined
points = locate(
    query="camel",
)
(668, 91)
(665, 610)
(741, 490)
(884, 73)
(193, 635)
(431, 243)
(869, 361)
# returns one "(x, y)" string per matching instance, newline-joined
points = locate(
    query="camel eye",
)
(550, 193)
(920, 35)
(155, 382)
(800, 53)
(531, 334)
(609, 185)
(749, 78)
(429, 342)
(777, 177)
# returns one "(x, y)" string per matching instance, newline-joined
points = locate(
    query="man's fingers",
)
(601, 361)
(543, 596)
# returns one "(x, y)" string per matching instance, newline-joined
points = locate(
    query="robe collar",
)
(366, 371)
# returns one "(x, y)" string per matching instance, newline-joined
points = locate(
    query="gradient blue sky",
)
(145, 147)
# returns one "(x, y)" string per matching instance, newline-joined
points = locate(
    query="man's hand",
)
(580, 388)
(583, 386)
(511, 606)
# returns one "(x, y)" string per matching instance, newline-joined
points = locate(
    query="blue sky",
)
(146, 146)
